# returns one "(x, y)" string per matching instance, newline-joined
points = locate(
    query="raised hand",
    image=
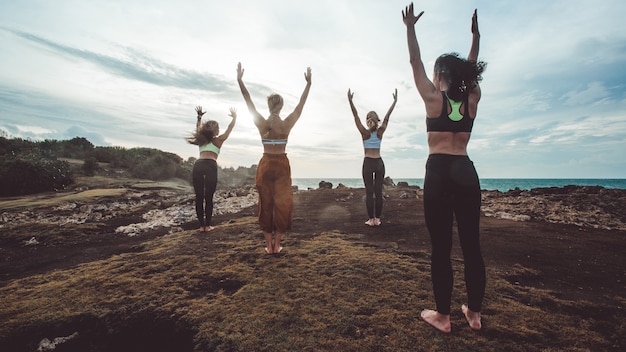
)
(473, 54)
(395, 95)
(199, 111)
(307, 75)
(239, 71)
(408, 16)
(233, 113)
(475, 23)
(350, 94)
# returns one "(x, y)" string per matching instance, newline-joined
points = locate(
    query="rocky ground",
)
(569, 241)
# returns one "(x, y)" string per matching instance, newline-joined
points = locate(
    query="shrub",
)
(77, 148)
(90, 166)
(13, 147)
(185, 169)
(33, 173)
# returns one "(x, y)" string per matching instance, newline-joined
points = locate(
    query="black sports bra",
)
(453, 122)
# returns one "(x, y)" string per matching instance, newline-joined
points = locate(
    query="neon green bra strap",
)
(455, 115)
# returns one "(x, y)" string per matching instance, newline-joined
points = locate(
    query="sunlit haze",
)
(129, 73)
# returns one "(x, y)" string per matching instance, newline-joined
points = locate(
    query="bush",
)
(116, 156)
(28, 167)
(14, 147)
(90, 166)
(76, 148)
(155, 167)
(185, 169)
(32, 173)
(152, 164)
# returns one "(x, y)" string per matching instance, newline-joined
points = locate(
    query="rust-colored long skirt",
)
(273, 182)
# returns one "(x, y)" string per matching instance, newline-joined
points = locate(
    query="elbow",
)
(413, 60)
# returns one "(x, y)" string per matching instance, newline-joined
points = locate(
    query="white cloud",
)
(593, 93)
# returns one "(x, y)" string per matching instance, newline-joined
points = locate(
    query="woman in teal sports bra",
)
(373, 170)
(451, 184)
(204, 173)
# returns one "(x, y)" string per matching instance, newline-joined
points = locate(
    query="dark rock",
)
(324, 184)
(388, 182)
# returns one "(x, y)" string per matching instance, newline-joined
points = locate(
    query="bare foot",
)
(370, 222)
(269, 242)
(377, 222)
(440, 321)
(473, 318)
(208, 228)
(202, 229)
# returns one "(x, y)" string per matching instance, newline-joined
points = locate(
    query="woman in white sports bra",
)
(204, 173)
(373, 170)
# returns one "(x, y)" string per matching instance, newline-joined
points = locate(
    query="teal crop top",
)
(373, 142)
(210, 148)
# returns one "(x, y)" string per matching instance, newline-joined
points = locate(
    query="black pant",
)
(452, 189)
(204, 184)
(373, 177)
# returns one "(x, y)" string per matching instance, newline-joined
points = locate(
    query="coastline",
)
(487, 184)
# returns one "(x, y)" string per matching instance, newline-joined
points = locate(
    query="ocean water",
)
(500, 184)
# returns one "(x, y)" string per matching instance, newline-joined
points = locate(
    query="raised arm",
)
(473, 54)
(424, 86)
(357, 121)
(231, 125)
(200, 114)
(295, 115)
(258, 118)
(383, 126)
(475, 93)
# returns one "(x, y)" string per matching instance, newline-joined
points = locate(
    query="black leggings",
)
(204, 184)
(373, 176)
(452, 189)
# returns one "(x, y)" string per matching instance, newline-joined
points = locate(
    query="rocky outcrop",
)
(325, 185)
(585, 206)
(158, 208)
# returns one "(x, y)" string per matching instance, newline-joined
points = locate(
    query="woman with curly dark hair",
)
(451, 185)
(204, 173)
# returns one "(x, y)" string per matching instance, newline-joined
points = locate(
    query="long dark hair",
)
(460, 74)
(204, 135)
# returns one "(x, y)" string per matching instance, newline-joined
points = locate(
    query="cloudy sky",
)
(130, 72)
